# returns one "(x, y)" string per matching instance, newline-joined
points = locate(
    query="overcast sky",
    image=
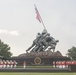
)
(19, 26)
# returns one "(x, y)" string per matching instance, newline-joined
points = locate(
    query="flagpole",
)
(40, 17)
(43, 23)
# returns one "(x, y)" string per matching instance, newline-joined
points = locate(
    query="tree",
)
(4, 50)
(72, 53)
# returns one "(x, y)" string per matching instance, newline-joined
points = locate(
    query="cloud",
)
(14, 33)
(3, 31)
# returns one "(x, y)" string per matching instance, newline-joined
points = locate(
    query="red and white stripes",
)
(63, 64)
(8, 64)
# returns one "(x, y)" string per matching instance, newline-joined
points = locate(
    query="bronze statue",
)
(42, 42)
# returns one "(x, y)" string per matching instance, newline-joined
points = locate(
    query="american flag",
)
(37, 15)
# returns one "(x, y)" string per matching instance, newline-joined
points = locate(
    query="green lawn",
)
(24, 73)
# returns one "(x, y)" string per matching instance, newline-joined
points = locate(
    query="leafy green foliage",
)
(4, 50)
(72, 53)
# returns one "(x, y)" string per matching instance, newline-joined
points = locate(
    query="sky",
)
(19, 26)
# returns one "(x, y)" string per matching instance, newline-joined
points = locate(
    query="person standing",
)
(24, 64)
(14, 64)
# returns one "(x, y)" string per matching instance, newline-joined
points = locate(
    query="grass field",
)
(24, 73)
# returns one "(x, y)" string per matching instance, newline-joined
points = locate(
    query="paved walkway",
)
(34, 70)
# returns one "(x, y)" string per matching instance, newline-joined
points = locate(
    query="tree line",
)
(4, 50)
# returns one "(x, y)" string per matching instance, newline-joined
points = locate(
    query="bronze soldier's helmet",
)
(44, 31)
(38, 33)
